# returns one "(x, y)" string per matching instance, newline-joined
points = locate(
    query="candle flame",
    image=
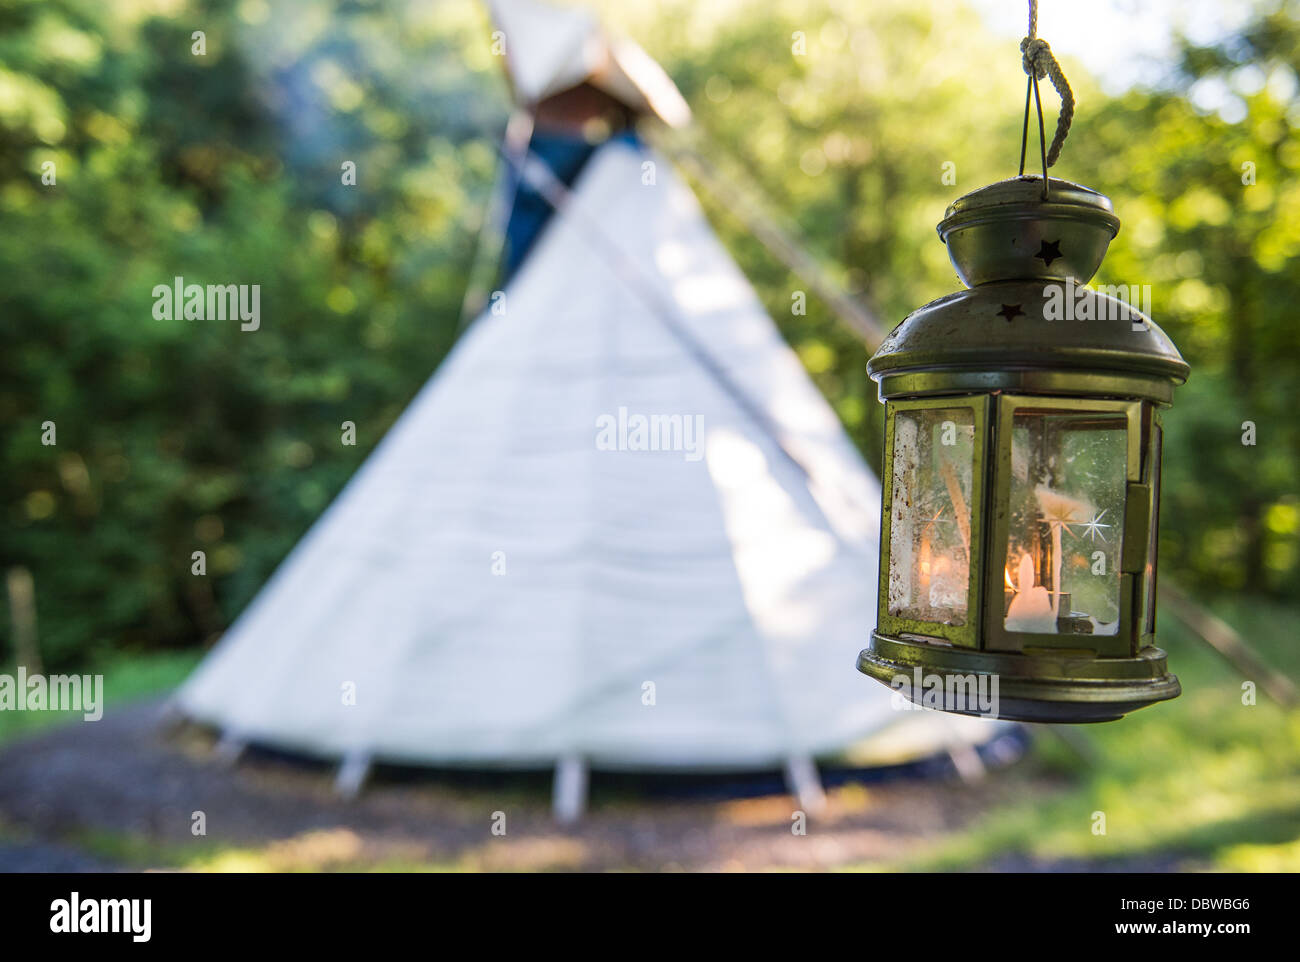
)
(1006, 576)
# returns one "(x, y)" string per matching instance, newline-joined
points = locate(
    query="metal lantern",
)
(1022, 472)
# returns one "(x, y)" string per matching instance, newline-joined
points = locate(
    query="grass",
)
(1206, 779)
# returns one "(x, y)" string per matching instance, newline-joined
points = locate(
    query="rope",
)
(1039, 62)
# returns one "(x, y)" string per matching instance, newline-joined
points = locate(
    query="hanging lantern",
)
(1022, 471)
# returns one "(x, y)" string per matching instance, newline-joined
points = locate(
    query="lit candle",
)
(1031, 608)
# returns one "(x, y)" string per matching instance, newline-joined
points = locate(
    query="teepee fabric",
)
(498, 587)
(619, 525)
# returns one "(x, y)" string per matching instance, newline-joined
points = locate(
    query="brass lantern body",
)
(1022, 470)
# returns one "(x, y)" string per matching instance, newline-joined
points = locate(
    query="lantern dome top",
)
(1029, 336)
(1028, 323)
(1010, 231)
(1028, 189)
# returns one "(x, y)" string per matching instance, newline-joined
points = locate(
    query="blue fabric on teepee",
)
(565, 155)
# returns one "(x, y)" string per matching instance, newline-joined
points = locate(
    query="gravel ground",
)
(122, 793)
(42, 857)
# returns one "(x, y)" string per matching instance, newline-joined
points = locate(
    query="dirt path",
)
(123, 792)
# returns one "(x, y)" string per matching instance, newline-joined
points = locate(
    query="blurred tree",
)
(183, 436)
(1204, 176)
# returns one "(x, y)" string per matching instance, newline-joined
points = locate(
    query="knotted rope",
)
(1039, 62)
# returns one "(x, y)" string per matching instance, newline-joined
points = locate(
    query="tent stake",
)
(170, 715)
(569, 798)
(229, 747)
(804, 783)
(967, 761)
(352, 774)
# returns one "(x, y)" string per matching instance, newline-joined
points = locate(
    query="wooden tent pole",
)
(485, 267)
(780, 242)
(1224, 639)
(22, 618)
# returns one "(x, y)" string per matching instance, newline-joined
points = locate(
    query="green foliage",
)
(178, 436)
(1211, 214)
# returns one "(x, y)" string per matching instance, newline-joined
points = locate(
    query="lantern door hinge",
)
(1137, 528)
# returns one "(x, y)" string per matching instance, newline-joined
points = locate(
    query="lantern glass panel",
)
(1066, 514)
(930, 514)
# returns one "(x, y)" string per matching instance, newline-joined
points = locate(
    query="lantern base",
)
(1070, 687)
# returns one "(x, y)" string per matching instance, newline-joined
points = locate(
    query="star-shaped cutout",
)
(937, 519)
(1009, 311)
(1049, 251)
(1093, 527)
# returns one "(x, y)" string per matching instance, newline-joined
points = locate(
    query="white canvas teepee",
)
(501, 589)
(521, 575)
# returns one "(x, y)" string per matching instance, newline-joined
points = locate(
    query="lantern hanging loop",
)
(1039, 62)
